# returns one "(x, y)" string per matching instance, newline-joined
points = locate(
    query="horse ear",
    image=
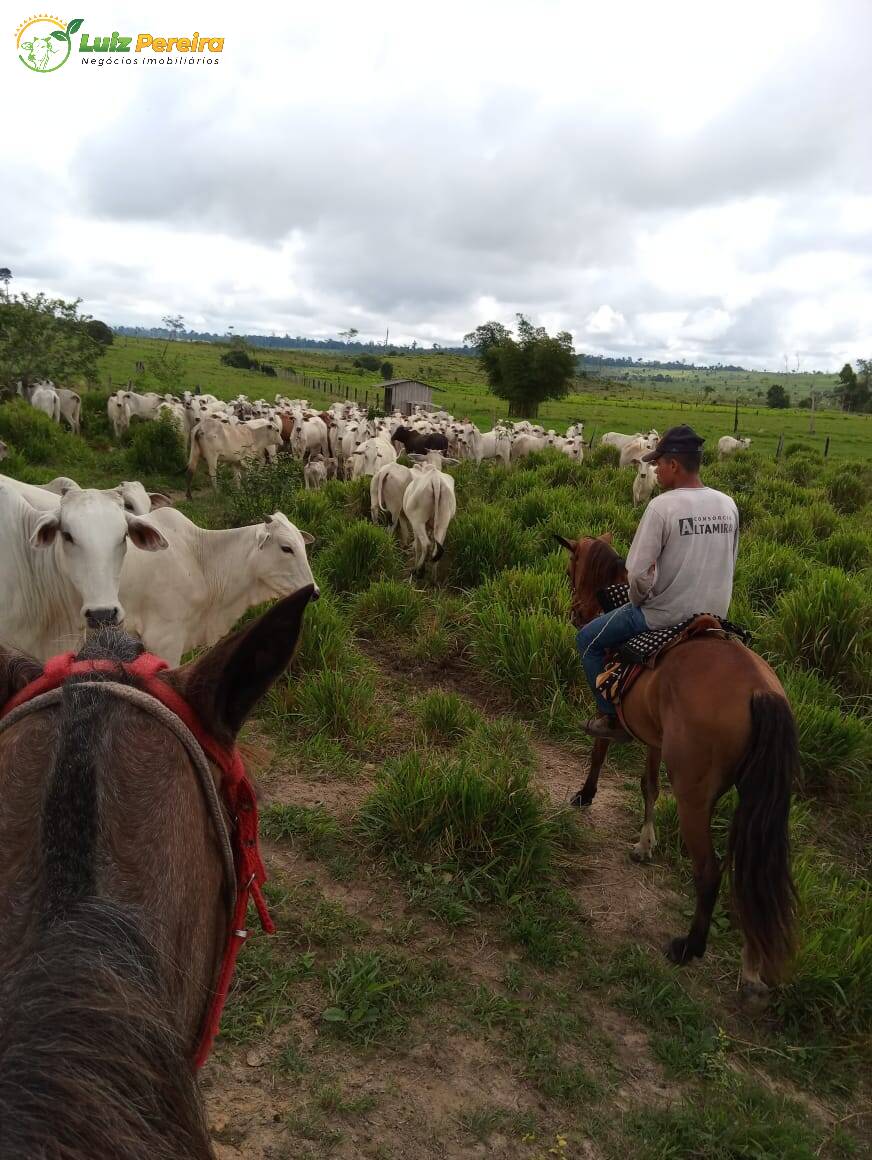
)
(224, 686)
(567, 544)
(606, 537)
(17, 669)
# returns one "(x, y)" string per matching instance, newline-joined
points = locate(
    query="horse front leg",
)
(644, 848)
(587, 793)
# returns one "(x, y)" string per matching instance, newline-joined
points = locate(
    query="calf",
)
(315, 472)
(644, 483)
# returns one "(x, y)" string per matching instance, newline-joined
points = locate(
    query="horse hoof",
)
(679, 952)
(642, 855)
(754, 996)
(579, 802)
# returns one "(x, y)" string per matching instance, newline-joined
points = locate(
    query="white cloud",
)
(674, 180)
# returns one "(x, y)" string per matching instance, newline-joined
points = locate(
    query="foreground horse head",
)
(113, 895)
(593, 565)
(717, 714)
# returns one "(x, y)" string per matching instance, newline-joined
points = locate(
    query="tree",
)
(777, 397)
(525, 370)
(387, 370)
(100, 332)
(174, 323)
(350, 334)
(5, 278)
(45, 338)
(854, 391)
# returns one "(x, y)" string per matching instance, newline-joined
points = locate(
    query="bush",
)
(531, 654)
(35, 436)
(766, 570)
(850, 489)
(825, 624)
(388, 604)
(802, 469)
(360, 554)
(524, 590)
(264, 488)
(336, 703)
(832, 744)
(445, 717)
(477, 816)
(157, 447)
(807, 449)
(368, 362)
(485, 542)
(95, 417)
(851, 551)
(239, 360)
(604, 456)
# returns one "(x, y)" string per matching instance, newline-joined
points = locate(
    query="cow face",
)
(282, 565)
(90, 531)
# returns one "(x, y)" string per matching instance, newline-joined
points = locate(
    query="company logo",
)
(44, 42)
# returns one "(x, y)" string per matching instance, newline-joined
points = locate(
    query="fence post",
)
(827, 447)
(780, 445)
(366, 399)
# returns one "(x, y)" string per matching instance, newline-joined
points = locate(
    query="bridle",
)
(244, 872)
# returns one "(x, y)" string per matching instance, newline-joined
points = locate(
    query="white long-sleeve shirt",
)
(683, 555)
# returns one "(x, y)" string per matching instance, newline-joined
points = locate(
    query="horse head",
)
(593, 564)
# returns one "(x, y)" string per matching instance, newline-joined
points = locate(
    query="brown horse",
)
(717, 715)
(112, 898)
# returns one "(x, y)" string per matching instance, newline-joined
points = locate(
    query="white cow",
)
(117, 415)
(429, 506)
(576, 431)
(208, 579)
(222, 441)
(386, 493)
(139, 406)
(309, 436)
(371, 455)
(644, 483)
(633, 451)
(496, 444)
(46, 399)
(727, 445)
(573, 447)
(60, 568)
(71, 409)
(524, 445)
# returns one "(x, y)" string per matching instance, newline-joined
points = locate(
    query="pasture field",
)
(464, 966)
(604, 405)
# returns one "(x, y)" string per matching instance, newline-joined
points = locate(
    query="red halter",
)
(239, 798)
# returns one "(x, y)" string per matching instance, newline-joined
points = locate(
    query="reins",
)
(244, 872)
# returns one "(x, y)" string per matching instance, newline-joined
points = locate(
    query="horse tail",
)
(758, 853)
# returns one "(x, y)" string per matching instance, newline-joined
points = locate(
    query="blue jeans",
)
(605, 632)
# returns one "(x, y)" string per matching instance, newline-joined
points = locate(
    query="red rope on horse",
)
(238, 794)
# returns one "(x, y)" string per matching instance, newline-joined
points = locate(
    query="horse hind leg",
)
(643, 851)
(695, 821)
(587, 793)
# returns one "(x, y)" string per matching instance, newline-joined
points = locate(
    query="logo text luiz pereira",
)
(44, 43)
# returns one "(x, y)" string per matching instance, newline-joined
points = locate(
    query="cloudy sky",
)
(667, 180)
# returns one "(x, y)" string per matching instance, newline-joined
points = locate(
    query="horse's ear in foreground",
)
(113, 892)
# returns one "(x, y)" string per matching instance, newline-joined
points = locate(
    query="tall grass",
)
(833, 745)
(531, 654)
(157, 446)
(484, 542)
(360, 554)
(825, 624)
(477, 815)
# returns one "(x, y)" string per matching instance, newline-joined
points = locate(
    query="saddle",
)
(630, 659)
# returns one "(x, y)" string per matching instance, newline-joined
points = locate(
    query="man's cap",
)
(676, 441)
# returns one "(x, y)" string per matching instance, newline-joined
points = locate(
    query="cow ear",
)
(224, 685)
(159, 500)
(46, 528)
(307, 538)
(145, 535)
(569, 545)
(17, 669)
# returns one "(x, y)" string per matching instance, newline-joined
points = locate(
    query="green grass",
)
(372, 995)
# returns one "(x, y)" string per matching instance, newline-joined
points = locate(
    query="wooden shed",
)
(406, 394)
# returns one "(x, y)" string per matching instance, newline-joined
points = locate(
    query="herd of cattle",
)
(74, 557)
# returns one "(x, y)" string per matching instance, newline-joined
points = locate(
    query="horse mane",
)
(89, 1062)
(603, 566)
